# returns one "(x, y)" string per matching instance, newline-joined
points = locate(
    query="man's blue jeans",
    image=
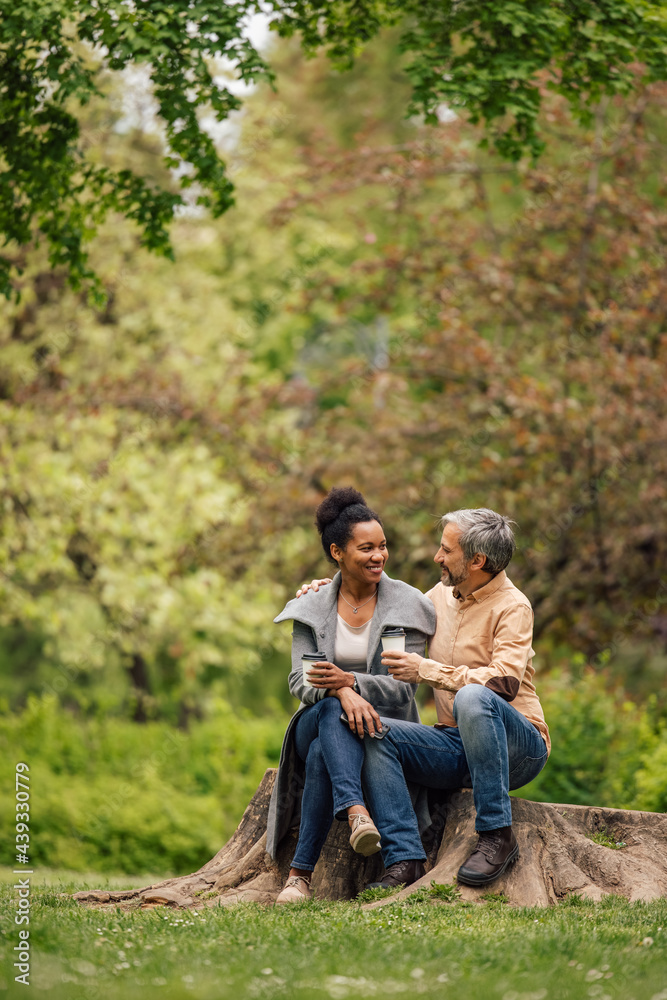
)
(333, 757)
(495, 748)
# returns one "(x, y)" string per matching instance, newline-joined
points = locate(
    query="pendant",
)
(355, 610)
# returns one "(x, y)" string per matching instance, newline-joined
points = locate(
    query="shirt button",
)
(322, 635)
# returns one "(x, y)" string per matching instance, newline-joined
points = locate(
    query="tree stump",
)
(557, 858)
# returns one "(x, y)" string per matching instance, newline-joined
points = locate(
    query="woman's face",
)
(365, 555)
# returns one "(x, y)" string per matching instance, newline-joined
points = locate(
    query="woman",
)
(321, 755)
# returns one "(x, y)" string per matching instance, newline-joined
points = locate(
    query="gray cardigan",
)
(315, 619)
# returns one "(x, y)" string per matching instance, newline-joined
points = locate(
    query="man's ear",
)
(478, 561)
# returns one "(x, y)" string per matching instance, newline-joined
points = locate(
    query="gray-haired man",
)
(491, 732)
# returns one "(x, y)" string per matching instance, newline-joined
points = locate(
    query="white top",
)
(351, 647)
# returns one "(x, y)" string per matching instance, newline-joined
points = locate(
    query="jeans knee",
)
(470, 699)
(329, 708)
(376, 753)
(315, 758)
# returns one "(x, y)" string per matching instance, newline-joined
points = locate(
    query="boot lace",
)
(488, 844)
(397, 869)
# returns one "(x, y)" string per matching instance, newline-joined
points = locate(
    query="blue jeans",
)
(333, 756)
(494, 748)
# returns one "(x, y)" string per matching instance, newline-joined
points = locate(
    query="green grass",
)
(613, 949)
(606, 838)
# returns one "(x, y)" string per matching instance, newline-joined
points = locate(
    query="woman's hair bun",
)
(334, 503)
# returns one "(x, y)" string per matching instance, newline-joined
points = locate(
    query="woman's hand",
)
(357, 709)
(313, 585)
(323, 674)
(403, 666)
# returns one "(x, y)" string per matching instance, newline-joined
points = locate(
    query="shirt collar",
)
(486, 591)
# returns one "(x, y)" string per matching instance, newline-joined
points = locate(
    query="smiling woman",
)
(336, 664)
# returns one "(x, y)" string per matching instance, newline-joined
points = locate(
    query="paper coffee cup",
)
(307, 661)
(393, 638)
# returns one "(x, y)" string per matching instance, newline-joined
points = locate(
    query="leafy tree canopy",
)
(401, 313)
(494, 59)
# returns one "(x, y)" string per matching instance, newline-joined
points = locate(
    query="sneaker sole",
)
(485, 879)
(290, 902)
(366, 843)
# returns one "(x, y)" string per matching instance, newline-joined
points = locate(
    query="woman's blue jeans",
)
(495, 748)
(334, 757)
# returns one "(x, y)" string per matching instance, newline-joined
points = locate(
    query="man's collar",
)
(481, 594)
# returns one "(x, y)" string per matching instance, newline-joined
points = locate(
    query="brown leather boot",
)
(400, 873)
(496, 850)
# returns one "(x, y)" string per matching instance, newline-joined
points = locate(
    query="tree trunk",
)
(557, 857)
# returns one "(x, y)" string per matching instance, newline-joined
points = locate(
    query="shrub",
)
(605, 750)
(112, 795)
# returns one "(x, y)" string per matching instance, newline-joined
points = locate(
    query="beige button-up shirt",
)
(484, 638)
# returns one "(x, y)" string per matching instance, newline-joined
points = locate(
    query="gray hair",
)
(486, 532)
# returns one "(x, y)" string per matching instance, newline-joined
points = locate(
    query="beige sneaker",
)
(297, 890)
(365, 836)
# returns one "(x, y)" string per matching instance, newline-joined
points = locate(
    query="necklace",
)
(354, 610)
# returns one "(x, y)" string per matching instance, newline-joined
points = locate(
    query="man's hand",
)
(313, 585)
(403, 666)
(323, 674)
(357, 709)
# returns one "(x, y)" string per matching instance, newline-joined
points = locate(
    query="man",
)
(491, 732)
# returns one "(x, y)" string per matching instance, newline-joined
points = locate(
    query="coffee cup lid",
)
(314, 656)
(393, 631)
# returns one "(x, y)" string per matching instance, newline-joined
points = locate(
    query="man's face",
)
(450, 558)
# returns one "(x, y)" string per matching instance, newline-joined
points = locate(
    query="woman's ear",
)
(336, 552)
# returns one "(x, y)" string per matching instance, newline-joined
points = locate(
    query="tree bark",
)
(557, 858)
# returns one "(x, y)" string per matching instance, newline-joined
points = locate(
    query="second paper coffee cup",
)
(393, 638)
(307, 661)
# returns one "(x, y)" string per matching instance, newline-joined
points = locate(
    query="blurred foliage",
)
(495, 60)
(606, 749)
(53, 57)
(108, 795)
(388, 306)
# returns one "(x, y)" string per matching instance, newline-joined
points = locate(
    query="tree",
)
(392, 308)
(565, 850)
(493, 59)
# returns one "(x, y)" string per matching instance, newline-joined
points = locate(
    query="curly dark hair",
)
(336, 516)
